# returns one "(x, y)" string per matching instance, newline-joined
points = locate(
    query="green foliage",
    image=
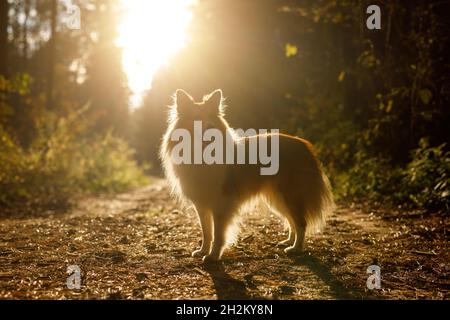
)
(367, 98)
(338, 145)
(428, 176)
(63, 162)
(424, 183)
(370, 178)
(112, 169)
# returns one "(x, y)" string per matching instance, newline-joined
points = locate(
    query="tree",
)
(4, 8)
(105, 86)
(51, 55)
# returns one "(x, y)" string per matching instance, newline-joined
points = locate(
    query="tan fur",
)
(299, 191)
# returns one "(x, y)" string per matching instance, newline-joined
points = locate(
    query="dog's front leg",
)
(207, 232)
(221, 221)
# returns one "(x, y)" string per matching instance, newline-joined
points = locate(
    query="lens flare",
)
(149, 34)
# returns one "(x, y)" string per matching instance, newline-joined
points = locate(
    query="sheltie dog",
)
(299, 190)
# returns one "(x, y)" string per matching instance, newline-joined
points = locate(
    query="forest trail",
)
(137, 245)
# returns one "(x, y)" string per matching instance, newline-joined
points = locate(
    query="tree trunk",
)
(4, 7)
(51, 55)
(26, 10)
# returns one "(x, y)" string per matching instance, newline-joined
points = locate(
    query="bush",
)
(370, 178)
(112, 169)
(62, 162)
(423, 183)
(428, 176)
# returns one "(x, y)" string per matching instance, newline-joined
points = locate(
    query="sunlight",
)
(149, 34)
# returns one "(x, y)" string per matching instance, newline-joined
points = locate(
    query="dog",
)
(299, 191)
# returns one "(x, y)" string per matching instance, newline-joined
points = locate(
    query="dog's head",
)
(209, 111)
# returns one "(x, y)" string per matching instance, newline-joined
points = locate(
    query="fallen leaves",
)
(137, 246)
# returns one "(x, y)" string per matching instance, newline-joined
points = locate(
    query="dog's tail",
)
(320, 205)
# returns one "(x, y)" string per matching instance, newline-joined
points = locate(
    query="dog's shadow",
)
(229, 288)
(337, 287)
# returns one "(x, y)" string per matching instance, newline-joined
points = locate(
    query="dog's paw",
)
(286, 242)
(199, 253)
(209, 258)
(293, 250)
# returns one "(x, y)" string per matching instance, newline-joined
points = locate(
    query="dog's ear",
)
(214, 99)
(182, 99)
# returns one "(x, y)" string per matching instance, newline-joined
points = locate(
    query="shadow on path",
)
(337, 287)
(226, 287)
(229, 288)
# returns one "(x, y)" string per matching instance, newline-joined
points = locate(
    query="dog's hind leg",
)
(300, 229)
(291, 238)
(275, 203)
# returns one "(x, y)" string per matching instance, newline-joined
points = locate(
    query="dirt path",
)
(137, 245)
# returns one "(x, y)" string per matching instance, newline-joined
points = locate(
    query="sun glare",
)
(149, 34)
